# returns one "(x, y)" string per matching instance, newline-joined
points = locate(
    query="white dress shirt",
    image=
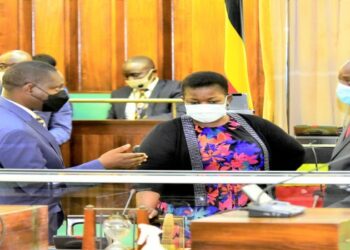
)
(130, 108)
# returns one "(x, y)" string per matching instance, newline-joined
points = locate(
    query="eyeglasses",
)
(4, 66)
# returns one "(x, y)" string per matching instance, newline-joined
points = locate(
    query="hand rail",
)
(173, 101)
(177, 177)
(125, 100)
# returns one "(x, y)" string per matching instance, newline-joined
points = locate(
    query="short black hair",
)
(45, 58)
(204, 79)
(22, 73)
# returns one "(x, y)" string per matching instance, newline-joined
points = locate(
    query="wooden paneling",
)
(165, 56)
(95, 43)
(8, 25)
(90, 138)
(208, 32)
(25, 25)
(16, 25)
(199, 36)
(91, 39)
(142, 29)
(49, 29)
(73, 81)
(251, 38)
(182, 38)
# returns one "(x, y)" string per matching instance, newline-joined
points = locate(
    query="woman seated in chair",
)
(209, 138)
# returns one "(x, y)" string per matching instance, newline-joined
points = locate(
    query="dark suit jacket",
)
(25, 144)
(158, 111)
(339, 195)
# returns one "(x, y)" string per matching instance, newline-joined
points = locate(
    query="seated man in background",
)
(339, 195)
(141, 77)
(58, 123)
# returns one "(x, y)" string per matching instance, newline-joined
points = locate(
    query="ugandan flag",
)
(236, 68)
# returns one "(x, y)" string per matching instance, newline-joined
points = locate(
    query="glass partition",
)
(112, 195)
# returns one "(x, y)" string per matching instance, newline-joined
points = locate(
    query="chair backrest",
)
(239, 104)
(90, 111)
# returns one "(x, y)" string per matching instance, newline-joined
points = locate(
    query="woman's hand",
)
(148, 200)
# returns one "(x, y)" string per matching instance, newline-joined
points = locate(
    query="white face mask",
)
(141, 83)
(343, 93)
(206, 113)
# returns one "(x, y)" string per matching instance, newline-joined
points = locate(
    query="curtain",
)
(273, 37)
(319, 45)
(300, 88)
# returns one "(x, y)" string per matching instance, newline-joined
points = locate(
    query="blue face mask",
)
(343, 93)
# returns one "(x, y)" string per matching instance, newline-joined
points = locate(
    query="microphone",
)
(318, 193)
(265, 206)
(132, 192)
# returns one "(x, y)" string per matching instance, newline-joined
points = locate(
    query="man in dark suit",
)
(339, 195)
(140, 75)
(26, 143)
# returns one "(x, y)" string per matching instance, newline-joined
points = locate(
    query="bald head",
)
(137, 64)
(344, 74)
(14, 56)
(138, 67)
(141, 60)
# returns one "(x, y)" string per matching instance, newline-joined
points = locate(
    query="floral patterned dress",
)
(228, 148)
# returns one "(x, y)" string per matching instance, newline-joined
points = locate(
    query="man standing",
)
(141, 77)
(339, 195)
(58, 123)
(26, 143)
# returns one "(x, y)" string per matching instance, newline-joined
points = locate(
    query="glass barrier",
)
(111, 195)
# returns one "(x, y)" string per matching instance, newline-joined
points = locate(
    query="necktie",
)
(140, 107)
(40, 120)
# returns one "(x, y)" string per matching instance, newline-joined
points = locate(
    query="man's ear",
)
(28, 87)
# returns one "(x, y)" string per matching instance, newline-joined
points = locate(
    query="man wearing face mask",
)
(25, 143)
(339, 195)
(142, 83)
(209, 138)
(59, 123)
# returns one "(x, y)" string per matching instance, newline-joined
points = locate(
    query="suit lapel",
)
(46, 134)
(342, 143)
(155, 94)
(28, 119)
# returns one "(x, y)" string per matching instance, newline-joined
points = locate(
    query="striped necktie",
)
(40, 120)
(140, 107)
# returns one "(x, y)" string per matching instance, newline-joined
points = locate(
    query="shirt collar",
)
(22, 107)
(152, 84)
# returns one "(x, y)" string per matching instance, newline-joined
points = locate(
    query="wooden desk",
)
(90, 139)
(24, 227)
(319, 228)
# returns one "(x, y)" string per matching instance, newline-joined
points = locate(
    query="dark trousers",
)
(55, 221)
